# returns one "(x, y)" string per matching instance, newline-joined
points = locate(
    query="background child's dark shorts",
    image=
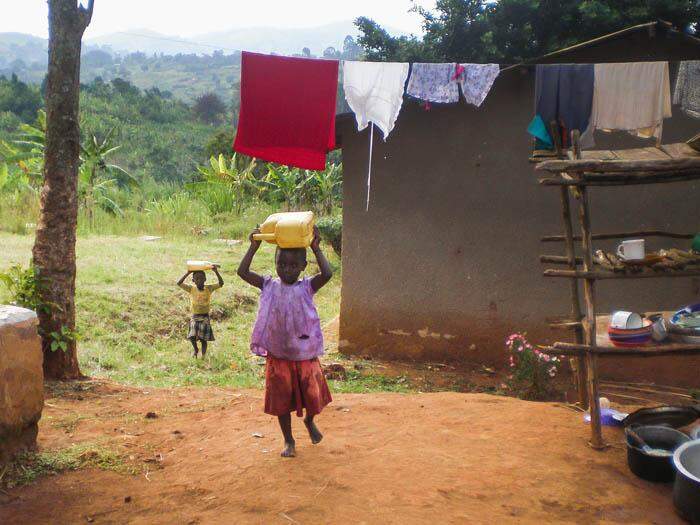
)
(200, 328)
(293, 385)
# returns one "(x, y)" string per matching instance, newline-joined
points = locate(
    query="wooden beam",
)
(639, 351)
(619, 166)
(622, 235)
(645, 273)
(617, 179)
(559, 259)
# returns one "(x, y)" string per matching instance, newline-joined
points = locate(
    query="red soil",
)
(387, 458)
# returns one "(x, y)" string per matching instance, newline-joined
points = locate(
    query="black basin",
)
(651, 467)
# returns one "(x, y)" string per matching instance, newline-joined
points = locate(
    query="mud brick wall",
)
(21, 380)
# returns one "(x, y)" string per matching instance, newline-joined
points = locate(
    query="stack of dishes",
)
(629, 337)
(685, 325)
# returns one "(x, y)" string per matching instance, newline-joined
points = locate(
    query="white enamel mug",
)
(631, 250)
(626, 320)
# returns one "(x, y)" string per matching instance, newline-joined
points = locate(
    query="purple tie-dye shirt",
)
(288, 326)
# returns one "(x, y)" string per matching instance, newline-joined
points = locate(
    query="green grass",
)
(29, 466)
(133, 320)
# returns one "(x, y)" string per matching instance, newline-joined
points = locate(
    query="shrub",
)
(331, 229)
(22, 285)
(532, 372)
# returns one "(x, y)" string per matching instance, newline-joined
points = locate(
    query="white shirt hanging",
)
(374, 92)
(634, 97)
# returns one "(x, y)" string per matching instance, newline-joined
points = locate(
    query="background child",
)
(288, 333)
(200, 304)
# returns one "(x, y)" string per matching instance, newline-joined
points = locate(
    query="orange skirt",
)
(294, 385)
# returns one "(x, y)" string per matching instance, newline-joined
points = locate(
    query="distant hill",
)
(261, 39)
(184, 67)
(18, 46)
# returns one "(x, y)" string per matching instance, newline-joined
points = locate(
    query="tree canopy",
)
(509, 31)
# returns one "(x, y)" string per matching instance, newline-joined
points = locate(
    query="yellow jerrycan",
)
(288, 230)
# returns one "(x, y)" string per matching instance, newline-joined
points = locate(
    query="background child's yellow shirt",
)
(200, 300)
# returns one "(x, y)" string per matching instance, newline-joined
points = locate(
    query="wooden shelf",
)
(604, 347)
(669, 163)
(663, 164)
(601, 274)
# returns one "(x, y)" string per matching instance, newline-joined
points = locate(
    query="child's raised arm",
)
(218, 276)
(319, 281)
(182, 279)
(244, 272)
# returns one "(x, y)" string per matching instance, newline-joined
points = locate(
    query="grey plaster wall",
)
(444, 265)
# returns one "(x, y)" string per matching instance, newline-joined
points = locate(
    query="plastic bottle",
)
(288, 230)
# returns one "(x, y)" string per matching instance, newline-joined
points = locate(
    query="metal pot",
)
(647, 465)
(686, 489)
(673, 416)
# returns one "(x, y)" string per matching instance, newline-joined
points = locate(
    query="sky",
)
(193, 17)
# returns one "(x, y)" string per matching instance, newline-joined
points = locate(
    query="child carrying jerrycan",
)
(200, 302)
(287, 331)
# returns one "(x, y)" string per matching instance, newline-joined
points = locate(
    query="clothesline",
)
(288, 104)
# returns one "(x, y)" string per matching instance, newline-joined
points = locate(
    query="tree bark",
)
(54, 246)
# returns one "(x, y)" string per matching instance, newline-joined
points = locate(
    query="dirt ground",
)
(386, 458)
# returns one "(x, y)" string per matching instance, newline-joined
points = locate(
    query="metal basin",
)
(686, 489)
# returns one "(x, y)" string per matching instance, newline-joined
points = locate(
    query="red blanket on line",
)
(287, 109)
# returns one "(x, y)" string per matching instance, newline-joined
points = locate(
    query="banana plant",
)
(286, 184)
(234, 176)
(326, 184)
(97, 177)
(27, 153)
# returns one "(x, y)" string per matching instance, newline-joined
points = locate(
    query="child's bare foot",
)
(289, 450)
(314, 432)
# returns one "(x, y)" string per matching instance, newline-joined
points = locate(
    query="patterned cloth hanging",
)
(476, 81)
(687, 91)
(435, 83)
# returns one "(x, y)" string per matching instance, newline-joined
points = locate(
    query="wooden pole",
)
(589, 332)
(580, 364)
(632, 168)
(640, 273)
(622, 235)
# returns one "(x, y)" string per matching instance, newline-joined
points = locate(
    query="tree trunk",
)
(54, 246)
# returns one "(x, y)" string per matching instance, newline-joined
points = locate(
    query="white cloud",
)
(189, 18)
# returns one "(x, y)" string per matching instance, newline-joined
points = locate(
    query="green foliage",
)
(513, 30)
(209, 108)
(22, 285)
(62, 338)
(96, 177)
(331, 229)
(30, 466)
(19, 98)
(221, 143)
(234, 176)
(159, 137)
